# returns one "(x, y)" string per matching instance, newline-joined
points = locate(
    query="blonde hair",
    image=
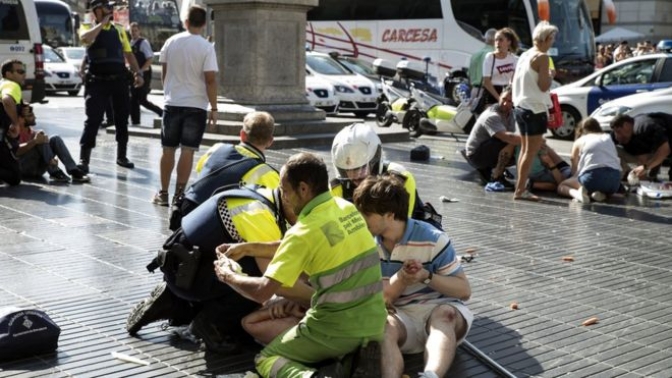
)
(259, 127)
(543, 31)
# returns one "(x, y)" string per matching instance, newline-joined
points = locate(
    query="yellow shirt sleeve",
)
(11, 89)
(125, 45)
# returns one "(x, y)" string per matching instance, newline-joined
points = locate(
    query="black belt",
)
(115, 77)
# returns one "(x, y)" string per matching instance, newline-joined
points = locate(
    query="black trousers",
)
(10, 170)
(98, 95)
(139, 97)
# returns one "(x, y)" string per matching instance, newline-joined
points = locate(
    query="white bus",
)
(447, 31)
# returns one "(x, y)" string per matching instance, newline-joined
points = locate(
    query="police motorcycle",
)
(395, 98)
(429, 115)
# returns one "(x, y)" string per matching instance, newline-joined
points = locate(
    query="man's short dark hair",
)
(197, 16)
(308, 168)
(8, 65)
(381, 195)
(621, 120)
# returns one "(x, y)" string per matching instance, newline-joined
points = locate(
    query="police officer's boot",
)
(84, 158)
(122, 160)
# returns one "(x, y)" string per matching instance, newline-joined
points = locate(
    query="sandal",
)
(526, 196)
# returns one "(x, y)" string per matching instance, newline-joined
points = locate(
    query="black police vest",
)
(205, 226)
(106, 56)
(225, 166)
(137, 51)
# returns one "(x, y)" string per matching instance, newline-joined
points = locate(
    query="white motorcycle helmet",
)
(357, 148)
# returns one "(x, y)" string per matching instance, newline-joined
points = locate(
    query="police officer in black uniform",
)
(107, 78)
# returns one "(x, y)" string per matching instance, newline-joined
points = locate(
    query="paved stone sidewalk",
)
(79, 252)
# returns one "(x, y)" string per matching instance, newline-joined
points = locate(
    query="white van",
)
(20, 39)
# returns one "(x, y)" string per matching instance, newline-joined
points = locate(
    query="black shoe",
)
(124, 162)
(158, 306)
(367, 361)
(213, 337)
(79, 176)
(83, 167)
(333, 370)
(57, 175)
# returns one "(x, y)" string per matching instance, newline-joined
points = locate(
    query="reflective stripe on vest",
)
(329, 280)
(254, 205)
(351, 295)
(255, 174)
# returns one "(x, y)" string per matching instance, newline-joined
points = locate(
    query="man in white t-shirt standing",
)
(189, 83)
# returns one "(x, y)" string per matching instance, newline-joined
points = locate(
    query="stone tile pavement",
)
(79, 251)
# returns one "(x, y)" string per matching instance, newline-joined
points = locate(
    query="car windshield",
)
(325, 65)
(51, 56)
(76, 54)
(358, 67)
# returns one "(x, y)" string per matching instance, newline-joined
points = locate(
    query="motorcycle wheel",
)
(412, 122)
(381, 119)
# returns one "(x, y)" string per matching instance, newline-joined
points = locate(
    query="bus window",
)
(482, 15)
(363, 10)
(11, 28)
(56, 23)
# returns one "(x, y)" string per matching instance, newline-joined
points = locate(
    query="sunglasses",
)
(20, 72)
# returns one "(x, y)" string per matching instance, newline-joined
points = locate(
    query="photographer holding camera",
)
(106, 78)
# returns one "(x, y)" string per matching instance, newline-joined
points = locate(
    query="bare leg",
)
(167, 165)
(529, 148)
(567, 185)
(264, 328)
(184, 166)
(392, 360)
(446, 326)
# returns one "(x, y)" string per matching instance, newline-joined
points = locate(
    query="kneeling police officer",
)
(106, 79)
(191, 292)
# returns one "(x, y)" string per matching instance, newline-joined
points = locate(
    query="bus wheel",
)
(571, 118)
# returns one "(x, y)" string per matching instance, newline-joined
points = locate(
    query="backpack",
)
(25, 333)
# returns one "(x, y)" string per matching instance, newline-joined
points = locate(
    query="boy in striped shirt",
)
(424, 285)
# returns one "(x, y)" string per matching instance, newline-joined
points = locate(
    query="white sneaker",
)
(580, 195)
(598, 196)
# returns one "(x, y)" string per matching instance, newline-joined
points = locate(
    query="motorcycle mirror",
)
(427, 59)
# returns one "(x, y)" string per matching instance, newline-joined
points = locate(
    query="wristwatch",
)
(427, 280)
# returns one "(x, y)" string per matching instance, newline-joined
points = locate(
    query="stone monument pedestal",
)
(260, 47)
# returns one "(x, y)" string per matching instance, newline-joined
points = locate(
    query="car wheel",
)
(361, 114)
(73, 93)
(381, 119)
(570, 119)
(412, 122)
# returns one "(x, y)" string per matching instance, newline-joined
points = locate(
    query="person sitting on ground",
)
(330, 244)
(645, 140)
(214, 310)
(39, 153)
(226, 164)
(491, 142)
(424, 284)
(547, 170)
(595, 165)
(357, 153)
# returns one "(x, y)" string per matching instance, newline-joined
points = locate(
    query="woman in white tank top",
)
(531, 84)
(596, 167)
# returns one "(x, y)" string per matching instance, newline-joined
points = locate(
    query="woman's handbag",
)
(478, 103)
(555, 119)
